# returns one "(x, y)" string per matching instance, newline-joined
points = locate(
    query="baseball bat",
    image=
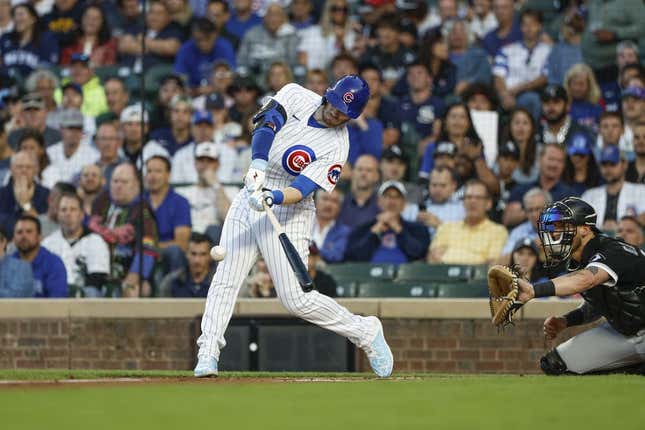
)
(299, 268)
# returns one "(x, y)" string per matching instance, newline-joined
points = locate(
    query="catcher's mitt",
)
(503, 290)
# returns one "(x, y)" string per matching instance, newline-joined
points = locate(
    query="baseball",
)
(218, 253)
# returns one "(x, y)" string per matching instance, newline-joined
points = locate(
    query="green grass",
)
(432, 402)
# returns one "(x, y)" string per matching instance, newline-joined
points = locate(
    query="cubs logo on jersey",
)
(333, 174)
(296, 158)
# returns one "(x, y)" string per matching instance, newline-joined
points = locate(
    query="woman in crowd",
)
(521, 130)
(581, 171)
(94, 39)
(33, 141)
(434, 53)
(584, 96)
(335, 34)
(27, 47)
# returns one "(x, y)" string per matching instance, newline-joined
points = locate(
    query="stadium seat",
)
(346, 289)
(153, 78)
(462, 290)
(396, 289)
(434, 272)
(361, 271)
(106, 72)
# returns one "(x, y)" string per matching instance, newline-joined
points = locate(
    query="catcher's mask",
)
(557, 227)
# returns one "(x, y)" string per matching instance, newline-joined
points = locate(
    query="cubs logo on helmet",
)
(296, 158)
(333, 174)
(348, 97)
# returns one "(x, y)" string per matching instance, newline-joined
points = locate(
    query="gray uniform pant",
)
(602, 348)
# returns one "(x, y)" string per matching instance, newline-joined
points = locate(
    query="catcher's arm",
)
(565, 285)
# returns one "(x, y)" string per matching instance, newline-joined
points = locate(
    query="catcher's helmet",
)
(557, 227)
(349, 95)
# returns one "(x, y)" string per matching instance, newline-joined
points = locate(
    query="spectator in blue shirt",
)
(551, 168)
(27, 47)
(584, 92)
(388, 238)
(360, 204)
(196, 57)
(420, 109)
(471, 61)
(242, 19)
(16, 279)
(381, 106)
(219, 12)
(194, 278)
(50, 276)
(329, 235)
(162, 40)
(508, 27)
(567, 51)
(64, 20)
(171, 211)
(365, 137)
(22, 194)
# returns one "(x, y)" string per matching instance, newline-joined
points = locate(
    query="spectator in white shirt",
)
(617, 197)
(183, 162)
(68, 157)
(483, 19)
(441, 205)
(85, 254)
(520, 68)
(209, 201)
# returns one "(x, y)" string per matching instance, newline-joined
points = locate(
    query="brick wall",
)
(433, 345)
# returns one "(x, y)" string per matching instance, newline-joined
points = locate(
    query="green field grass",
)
(356, 402)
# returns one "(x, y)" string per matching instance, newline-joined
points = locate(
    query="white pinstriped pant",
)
(245, 234)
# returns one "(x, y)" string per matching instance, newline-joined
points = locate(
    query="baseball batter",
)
(299, 144)
(610, 275)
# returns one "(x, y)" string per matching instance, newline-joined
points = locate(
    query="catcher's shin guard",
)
(552, 364)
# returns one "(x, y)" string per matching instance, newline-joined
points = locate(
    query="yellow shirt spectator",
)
(468, 244)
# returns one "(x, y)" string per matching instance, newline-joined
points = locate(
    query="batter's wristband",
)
(278, 197)
(544, 289)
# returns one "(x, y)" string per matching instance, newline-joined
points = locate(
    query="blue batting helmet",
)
(349, 95)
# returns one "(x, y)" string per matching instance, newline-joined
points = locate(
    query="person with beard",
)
(16, 279)
(617, 197)
(636, 168)
(551, 167)
(194, 278)
(85, 254)
(50, 277)
(90, 184)
(559, 127)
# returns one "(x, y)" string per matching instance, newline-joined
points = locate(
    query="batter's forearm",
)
(291, 196)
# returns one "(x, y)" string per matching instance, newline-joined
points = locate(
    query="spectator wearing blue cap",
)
(581, 171)
(526, 256)
(196, 57)
(617, 197)
(633, 112)
(177, 135)
(82, 74)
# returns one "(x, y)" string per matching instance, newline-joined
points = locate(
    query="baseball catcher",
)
(610, 276)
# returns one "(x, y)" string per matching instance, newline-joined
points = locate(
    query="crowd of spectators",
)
(480, 113)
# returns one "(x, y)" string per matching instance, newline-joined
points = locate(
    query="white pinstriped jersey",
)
(300, 149)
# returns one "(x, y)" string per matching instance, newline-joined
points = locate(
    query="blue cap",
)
(202, 116)
(83, 58)
(73, 85)
(579, 145)
(636, 92)
(610, 154)
(349, 95)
